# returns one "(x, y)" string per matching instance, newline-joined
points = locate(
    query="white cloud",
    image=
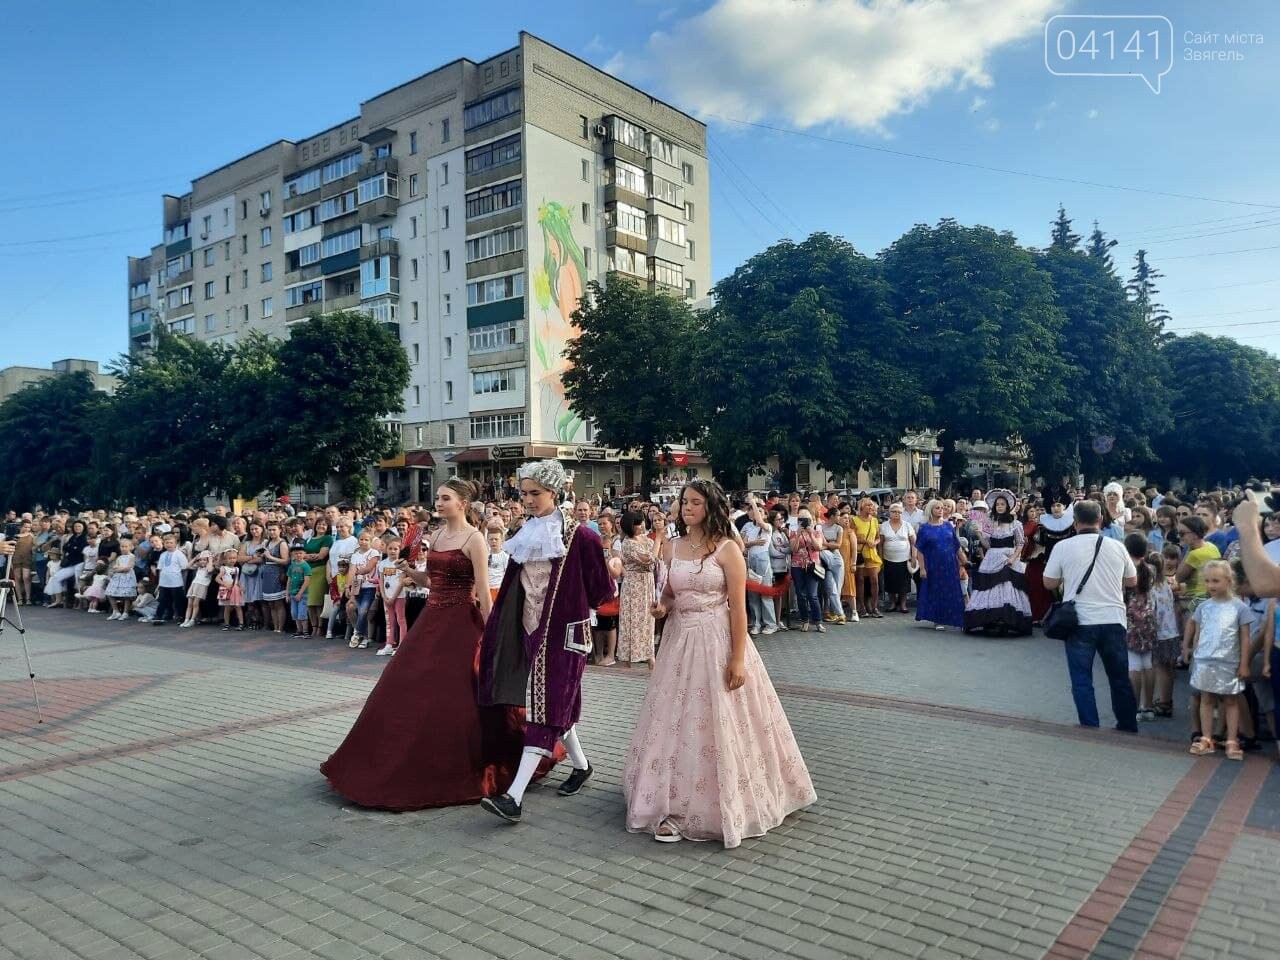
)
(1092, 114)
(977, 104)
(991, 125)
(595, 46)
(854, 63)
(616, 65)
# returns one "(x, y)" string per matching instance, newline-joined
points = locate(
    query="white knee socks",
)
(528, 767)
(574, 749)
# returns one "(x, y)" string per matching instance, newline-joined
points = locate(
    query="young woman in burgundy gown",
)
(421, 740)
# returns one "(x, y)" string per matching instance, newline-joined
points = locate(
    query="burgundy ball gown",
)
(421, 740)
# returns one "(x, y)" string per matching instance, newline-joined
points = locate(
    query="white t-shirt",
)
(914, 517)
(389, 577)
(751, 531)
(359, 559)
(171, 563)
(497, 568)
(1102, 600)
(897, 543)
(341, 549)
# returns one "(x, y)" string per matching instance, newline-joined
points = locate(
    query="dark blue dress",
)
(941, 599)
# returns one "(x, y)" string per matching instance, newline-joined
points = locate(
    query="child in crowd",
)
(392, 583)
(85, 580)
(199, 589)
(1218, 634)
(97, 590)
(171, 566)
(1164, 656)
(1141, 629)
(497, 562)
(299, 575)
(364, 575)
(338, 590)
(230, 593)
(122, 588)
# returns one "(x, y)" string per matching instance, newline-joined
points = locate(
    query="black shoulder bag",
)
(1062, 619)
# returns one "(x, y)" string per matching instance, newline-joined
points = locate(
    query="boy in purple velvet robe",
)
(538, 636)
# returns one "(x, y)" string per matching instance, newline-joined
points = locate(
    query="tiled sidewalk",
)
(172, 807)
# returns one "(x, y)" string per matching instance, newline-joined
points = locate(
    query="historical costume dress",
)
(998, 602)
(716, 764)
(941, 601)
(635, 619)
(1049, 532)
(421, 739)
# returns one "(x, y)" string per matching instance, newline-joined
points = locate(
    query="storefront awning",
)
(476, 455)
(419, 458)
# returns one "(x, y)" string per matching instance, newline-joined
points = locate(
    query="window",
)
(444, 130)
(448, 304)
(688, 210)
(414, 267)
(179, 231)
(226, 283)
(142, 289)
(302, 183)
(497, 426)
(340, 242)
(336, 169)
(448, 260)
(500, 196)
(382, 150)
(448, 346)
(493, 108)
(492, 381)
(452, 433)
(689, 246)
(227, 319)
(244, 244)
(665, 190)
(226, 250)
(186, 294)
(417, 353)
(264, 200)
(337, 206)
(301, 220)
(210, 321)
(661, 149)
(586, 257)
(414, 305)
(208, 225)
(384, 233)
(448, 391)
(244, 279)
(626, 176)
(381, 185)
(586, 171)
(417, 434)
(266, 236)
(208, 290)
(375, 278)
(686, 172)
(672, 231)
(628, 133)
(444, 218)
(208, 256)
(267, 308)
(495, 244)
(495, 336)
(669, 274)
(185, 325)
(304, 293)
(444, 173)
(628, 261)
(495, 288)
(690, 291)
(266, 272)
(244, 209)
(176, 266)
(245, 313)
(384, 310)
(226, 216)
(413, 184)
(413, 226)
(586, 129)
(628, 219)
(586, 213)
(302, 257)
(506, 150)
(417, 399)
(413, 142)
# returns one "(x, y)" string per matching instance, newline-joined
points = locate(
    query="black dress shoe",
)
(502, 806)
(573, 783)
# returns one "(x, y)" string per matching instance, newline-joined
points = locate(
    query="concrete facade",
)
(13, 379)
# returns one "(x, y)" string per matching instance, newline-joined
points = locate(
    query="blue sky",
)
(108, 106)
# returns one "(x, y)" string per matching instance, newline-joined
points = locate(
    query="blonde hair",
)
(928, 509)
(1223, 567)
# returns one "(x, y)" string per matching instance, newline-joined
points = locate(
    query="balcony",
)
(310, 272)
(386, 246)
(615, 148)
(620, 238)
(615, 193)
(177, 280)
(139, 303)
(142, 325)
(371, 168)
(383, 208)
(347, 302)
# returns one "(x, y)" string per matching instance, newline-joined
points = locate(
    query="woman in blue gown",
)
(941, 601)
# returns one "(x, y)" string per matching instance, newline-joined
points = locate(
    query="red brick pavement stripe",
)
(115, 751)
(1085, 929)
(1173, 924)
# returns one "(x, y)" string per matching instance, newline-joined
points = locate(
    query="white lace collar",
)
(541, 538)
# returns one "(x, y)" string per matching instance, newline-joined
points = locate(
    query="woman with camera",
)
(807, 544)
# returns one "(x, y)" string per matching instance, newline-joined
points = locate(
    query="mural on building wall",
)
(557, 286)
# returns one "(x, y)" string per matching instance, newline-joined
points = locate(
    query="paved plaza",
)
(171, 807)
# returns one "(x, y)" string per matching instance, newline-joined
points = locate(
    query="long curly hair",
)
(716, 526)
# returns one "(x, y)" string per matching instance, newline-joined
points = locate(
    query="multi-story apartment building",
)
(13, 379)
(468, 209)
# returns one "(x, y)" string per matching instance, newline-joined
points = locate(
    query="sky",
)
(856, 117)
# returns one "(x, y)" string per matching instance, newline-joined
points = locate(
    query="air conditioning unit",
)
(263, 211)
(204, 236)
(602, 130)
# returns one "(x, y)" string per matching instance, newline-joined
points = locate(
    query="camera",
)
(804, 522)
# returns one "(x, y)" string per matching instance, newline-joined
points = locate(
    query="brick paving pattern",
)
(171, 807)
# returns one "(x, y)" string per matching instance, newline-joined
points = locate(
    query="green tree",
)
(800, 359)
(335, 383)
(1143, 291)
(984, 332)
(632, 347)
(1063, 238)
(1099, 246)
(46, 442)
(1225, 397)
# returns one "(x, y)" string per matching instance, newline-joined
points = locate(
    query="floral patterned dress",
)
(635, 621)
(720, 765)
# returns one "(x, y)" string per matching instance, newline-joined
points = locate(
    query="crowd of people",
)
(990, 563)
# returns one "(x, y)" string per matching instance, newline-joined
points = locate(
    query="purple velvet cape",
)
(542, 671)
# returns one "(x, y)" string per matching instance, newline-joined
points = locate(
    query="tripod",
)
(6, 591)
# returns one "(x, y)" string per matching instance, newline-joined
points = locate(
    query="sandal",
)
(1204, 746)
(1233, 750)
(1162, 709)
(667, 832)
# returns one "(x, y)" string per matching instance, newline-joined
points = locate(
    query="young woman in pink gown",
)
(713, 757)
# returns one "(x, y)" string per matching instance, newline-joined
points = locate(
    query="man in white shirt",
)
(1101, 613)
(911, 511)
